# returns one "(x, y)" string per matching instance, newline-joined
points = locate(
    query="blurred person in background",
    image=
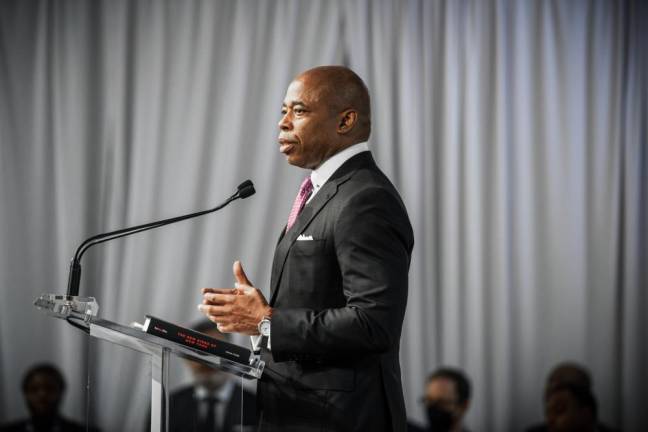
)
(569, 403)
(446, 399)
(43, 387)
(212, 402)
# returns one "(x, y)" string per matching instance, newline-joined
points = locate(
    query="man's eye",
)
(298, 111)
(283, 112)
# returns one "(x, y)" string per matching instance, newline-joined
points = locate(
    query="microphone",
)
(246, 189)
(243, 191)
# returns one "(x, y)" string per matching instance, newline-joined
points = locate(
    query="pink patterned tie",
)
(300, 201)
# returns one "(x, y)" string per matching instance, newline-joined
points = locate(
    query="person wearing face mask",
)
(446, 399)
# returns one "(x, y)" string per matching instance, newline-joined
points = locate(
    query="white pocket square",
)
(303, 237)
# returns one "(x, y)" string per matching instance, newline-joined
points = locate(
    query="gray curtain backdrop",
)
(515, 131)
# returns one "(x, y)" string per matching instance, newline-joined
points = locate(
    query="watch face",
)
(264, 327)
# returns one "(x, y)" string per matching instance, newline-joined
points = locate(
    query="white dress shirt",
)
(321, 175)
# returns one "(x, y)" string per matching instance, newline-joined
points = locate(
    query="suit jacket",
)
(542, 427)
(60, 425)
(413, 427)
(183, 415)
(339, 302)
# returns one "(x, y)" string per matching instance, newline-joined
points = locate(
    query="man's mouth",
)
(286, 146)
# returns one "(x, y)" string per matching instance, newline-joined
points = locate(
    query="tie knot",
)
(300, 201)
(306, 187)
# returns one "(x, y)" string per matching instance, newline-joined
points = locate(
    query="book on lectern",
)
(196, 340)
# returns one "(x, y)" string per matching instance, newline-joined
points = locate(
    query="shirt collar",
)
(222, 393)
(321, 175)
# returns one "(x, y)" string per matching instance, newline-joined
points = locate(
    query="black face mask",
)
(439, 420)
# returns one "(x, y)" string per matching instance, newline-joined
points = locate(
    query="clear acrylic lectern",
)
(81, 312)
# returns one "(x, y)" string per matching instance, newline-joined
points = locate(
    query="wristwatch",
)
(264, 326)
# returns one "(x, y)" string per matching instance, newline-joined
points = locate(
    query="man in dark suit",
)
(338, 290)
(212, 402)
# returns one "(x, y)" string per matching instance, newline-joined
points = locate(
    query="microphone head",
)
(246, 189)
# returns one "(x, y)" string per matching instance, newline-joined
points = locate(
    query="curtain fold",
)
(515, 132)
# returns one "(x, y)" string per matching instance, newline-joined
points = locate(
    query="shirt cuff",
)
(257, 342)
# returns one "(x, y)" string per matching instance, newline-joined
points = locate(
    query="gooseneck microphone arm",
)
(244, 190)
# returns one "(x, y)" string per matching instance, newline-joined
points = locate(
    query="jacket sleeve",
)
(373, 241)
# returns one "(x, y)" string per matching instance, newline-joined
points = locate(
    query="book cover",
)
(196, 340)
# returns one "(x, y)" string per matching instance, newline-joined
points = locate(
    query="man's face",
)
(307, 129)
(442, 394)
(206, 375)
(564, 413)
(43, 394)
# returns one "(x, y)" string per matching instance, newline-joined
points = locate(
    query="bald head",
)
(325, 110)
(342, 90)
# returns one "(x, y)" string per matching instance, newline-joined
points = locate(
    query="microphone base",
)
(66, 306)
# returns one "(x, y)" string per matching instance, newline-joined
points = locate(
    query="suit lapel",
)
(311, 209)
(324, 195)
(281, 236)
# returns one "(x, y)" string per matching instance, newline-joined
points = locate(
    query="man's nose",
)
(285, 123)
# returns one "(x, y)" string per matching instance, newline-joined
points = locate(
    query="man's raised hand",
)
(238, 309)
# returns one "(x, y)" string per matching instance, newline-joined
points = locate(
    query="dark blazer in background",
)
(61, 425)
(183, 411)
(339, 304)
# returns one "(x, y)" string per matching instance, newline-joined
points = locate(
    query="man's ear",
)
(348, 120)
